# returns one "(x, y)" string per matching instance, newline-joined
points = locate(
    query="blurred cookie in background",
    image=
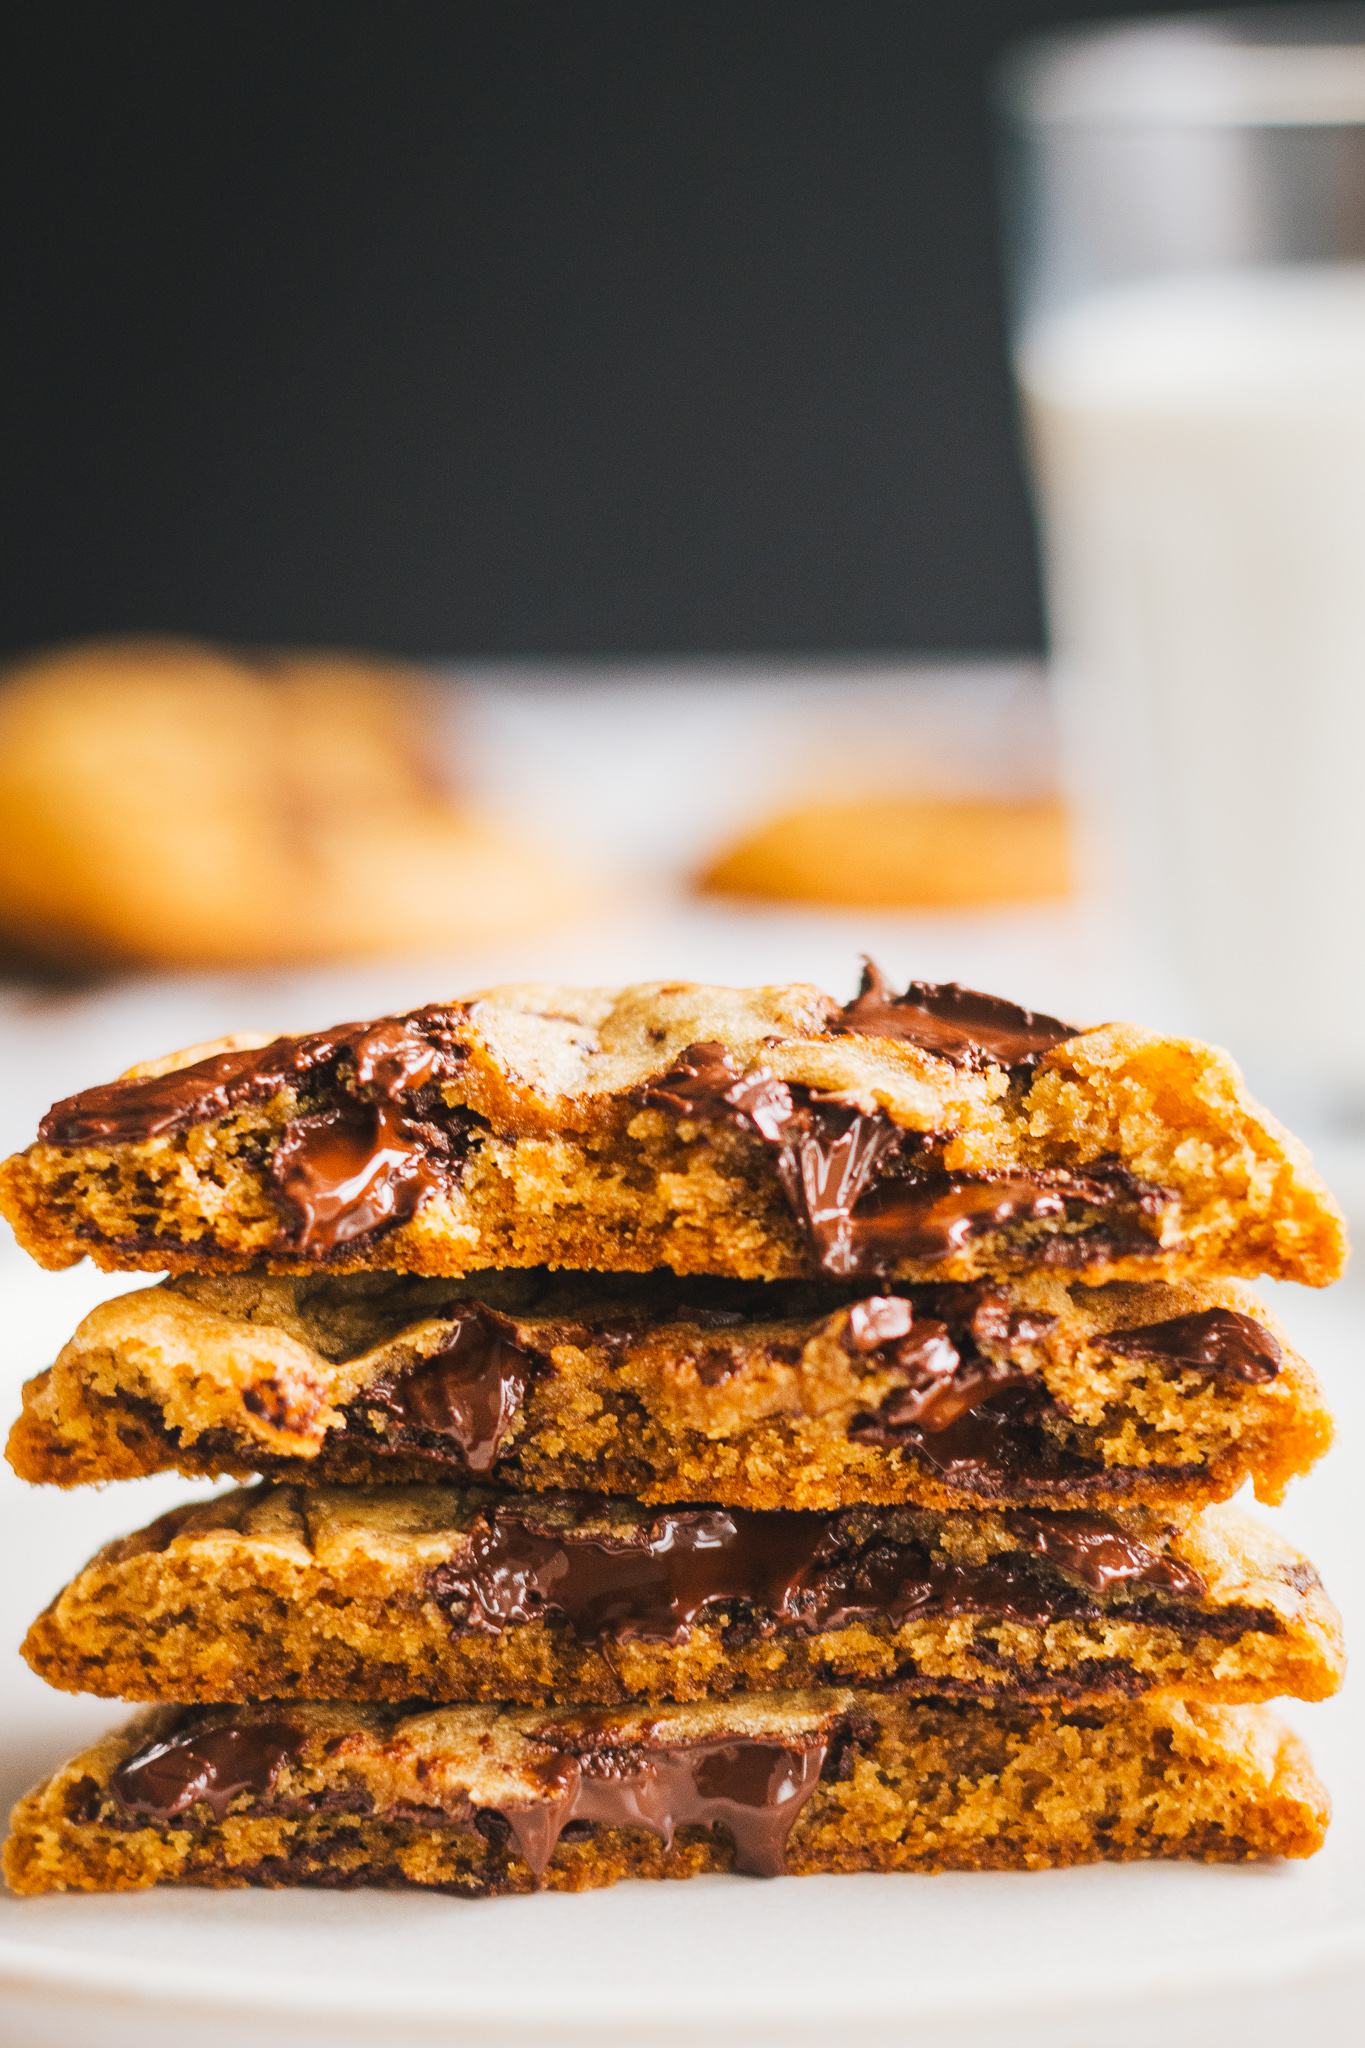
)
(904, 852)
(168, 804)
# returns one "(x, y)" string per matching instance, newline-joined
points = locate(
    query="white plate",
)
(1125, 1955)
(1175, 1953)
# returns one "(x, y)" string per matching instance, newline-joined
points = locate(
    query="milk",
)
(1199, 449)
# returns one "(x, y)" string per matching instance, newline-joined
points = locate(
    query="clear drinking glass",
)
(1187, 230)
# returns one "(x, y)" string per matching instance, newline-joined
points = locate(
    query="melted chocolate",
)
(754, 1788)
(1103, 1555)
(934, 1215)
(933, 1218)
(360, 1164)
(832, 1162)
(791, 1570)
(213, 1764)
(706, 1087)
(994, 1447)
(394, 1056)
(653, 1588)
(895, 1581)
(1217, 1340)
(353, 1169)
(955, 1024)
(946, 1375)
(828, 1158)
(469, 1391)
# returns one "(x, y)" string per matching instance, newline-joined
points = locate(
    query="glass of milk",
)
(1188, 229)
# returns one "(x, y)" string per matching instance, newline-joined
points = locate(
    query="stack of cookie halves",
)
(685, 1429)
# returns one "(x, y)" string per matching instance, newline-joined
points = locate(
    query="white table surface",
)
(1122, 1954)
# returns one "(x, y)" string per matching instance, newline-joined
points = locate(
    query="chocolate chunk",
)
(1103, 1555)
(469, 1391)
(878, 1320)
(995, 1321)
(827, 1154)
(706, 1086)
(652, 1587)
(956, 1024)
(716, 1365)
(946, 1374)
(942, 1383)
(213, 1764)
(393, 1055)
(1216, 1340)
(754, 1788)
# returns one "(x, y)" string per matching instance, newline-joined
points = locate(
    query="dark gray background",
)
(536, 326)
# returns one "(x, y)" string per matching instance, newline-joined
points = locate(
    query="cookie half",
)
(480, 1800)
(1038, 1391)
(441, 1593)
(759, 1133)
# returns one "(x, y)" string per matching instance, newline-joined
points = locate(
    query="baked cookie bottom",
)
(809, 1395)
(760, 1133)
(477, 1801)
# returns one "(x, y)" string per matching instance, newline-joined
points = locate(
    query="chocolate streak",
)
(953, 1023)
(793, 1571)
(828, 1158)
(998, 1447)
(464, 1399)
(360, 1165)
(969, 1406)
(213, 1764)
(1217, 1340)
(973, 1416)
(393, 1055)
(935, 1215)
